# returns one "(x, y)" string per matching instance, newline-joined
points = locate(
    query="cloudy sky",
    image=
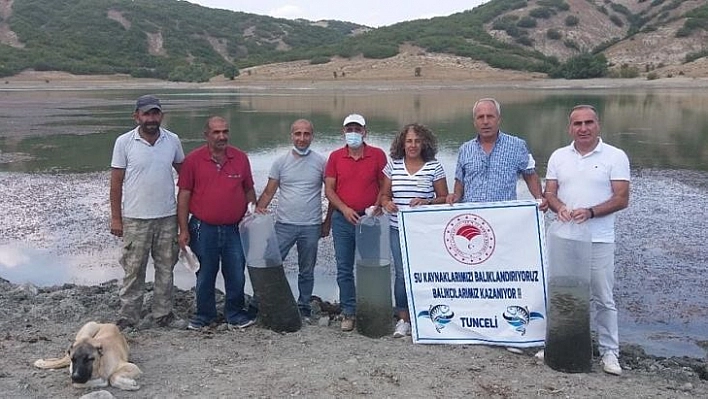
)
(373, 13)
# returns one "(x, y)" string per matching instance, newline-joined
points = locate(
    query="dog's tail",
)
(54, 363)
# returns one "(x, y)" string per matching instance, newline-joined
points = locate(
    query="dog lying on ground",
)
(98, 356)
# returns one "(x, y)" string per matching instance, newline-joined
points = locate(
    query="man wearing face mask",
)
(299, 175)
(144, 212)
(353, 178)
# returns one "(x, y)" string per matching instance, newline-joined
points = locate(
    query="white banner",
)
(475, 273)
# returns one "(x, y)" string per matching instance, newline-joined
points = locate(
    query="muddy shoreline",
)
(658, 275)
(56, 232)
(278, 77)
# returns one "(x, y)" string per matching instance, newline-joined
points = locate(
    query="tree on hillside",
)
(582, 66)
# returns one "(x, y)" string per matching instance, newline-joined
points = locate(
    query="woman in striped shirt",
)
(413, 177)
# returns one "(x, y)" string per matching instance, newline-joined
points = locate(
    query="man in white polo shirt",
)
(144, 212)
(587, 182)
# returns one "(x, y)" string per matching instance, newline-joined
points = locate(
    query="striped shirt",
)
(405, 186)
(492, 177)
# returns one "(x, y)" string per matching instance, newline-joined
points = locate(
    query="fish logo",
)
(440, 315)
(519, 317)
(469, 239)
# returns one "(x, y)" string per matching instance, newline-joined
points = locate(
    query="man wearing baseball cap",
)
(147, 103)
(144, 212)
(353, 177)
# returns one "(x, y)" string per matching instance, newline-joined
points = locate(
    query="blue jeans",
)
(343, 235)
(306, 238)
(216, 245)
(399, 285)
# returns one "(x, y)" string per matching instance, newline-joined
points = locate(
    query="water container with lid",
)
(568, 342)
(277, 309)
(374, 308)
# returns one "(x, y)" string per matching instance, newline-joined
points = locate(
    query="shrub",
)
(525, 40)
(499, 24)
(321, 59)
(526, 22)
(683, 32)
(626, 72)
(553, 34)
(652, 76)
(517, 5)
(190, 73)
(560, 5)
(571, 20)
(582, 66)
(616, 20)
(230, 72)
(513, 31)
(504, 22)
(379, 51)
(696, 55)
(620, 9)
(541, 13)
(571, 44)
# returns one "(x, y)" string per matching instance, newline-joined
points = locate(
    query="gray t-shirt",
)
(300, 180)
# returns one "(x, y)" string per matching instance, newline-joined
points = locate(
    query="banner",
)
(475, 273)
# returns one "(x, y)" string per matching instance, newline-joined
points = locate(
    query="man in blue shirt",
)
(488, 166)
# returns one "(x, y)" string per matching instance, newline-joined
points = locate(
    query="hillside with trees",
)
(181, 41)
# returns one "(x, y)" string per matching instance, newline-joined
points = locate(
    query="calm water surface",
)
(67, 132)
(73, 131)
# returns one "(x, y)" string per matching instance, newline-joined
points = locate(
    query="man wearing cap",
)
(144, 212)
(353, 177)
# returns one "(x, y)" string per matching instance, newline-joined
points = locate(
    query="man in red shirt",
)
(215, 187)
(353, 177)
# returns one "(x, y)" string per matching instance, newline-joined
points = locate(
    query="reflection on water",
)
(74, 131)
(22, 264)
(27, 265)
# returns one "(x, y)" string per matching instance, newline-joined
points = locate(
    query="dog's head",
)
(85, 360)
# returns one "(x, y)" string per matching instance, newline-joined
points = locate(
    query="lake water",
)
(73, 131)
(55, 148)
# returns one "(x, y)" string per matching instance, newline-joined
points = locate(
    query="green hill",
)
(178, 40)
(164, 39)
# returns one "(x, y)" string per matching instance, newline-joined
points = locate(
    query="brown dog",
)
(98, 356)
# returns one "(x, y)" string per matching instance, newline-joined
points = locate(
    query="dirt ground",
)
(316, 362)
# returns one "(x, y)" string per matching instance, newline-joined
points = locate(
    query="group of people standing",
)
(586, 182)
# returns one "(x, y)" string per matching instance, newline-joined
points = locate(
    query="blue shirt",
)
(492, 177)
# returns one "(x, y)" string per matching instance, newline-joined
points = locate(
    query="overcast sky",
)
(373, 13)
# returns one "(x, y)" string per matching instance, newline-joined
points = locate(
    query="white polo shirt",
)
(585, 181)
(149, 185)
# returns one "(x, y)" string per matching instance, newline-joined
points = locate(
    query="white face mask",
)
(301, 152)
(354, 139)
